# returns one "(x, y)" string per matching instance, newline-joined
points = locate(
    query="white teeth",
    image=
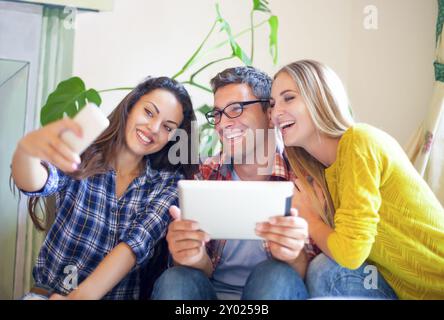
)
(233, 135)
(286, 123)
(143, 137)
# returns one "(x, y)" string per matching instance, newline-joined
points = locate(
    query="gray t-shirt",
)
(238, 259)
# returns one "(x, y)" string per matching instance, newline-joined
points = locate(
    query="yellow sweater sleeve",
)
(359, 172)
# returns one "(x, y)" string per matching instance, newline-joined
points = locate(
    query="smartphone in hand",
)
(92, 121)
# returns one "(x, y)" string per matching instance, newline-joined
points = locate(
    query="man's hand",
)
(285, 236)
(186, 241)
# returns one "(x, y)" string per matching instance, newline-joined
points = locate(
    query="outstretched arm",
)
(43, 144)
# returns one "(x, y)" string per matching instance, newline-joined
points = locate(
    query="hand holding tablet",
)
(231, 209)
(186, 242)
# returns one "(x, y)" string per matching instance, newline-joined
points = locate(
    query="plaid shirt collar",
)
(220, 167)
(149, 174)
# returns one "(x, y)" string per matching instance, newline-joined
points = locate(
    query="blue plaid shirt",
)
(91, 221)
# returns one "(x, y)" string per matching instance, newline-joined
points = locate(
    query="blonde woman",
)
(379, 225)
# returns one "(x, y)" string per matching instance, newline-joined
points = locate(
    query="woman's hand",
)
(318, 230)
(302, 201)
(45, 144)
(285, 236)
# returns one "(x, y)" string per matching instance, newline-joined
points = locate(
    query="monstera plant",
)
(71, 95)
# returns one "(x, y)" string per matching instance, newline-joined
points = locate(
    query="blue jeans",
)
(326, 278)
(33, 296)
(269, 280)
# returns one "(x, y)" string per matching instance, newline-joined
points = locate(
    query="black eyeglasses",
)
(233, 110)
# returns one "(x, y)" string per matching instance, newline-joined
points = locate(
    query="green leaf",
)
(209, 140)
(206, 126)
(204, 109)
(261, 5)
(69, 97)
(235, 47)
(273, 44)
(238, 52)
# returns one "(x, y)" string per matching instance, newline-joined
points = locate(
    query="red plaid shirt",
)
(215, 168)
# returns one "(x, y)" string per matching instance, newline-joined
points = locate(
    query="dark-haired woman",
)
(112, 202)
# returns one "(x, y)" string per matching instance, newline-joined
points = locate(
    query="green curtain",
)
(56, 61)
(439, 66)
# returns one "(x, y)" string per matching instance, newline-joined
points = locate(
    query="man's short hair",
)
(258, 81)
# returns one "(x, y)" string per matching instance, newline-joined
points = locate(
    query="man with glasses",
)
(233, 269)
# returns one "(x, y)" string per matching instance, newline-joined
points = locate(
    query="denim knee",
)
(183, 283)
(273, 269)
(319, 275)
(274, 280)
(326, 278)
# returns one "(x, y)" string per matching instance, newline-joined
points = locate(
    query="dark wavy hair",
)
(97, 158)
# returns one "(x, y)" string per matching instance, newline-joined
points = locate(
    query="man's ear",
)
(270, 121)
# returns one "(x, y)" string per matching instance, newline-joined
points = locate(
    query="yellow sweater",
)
(386, 213)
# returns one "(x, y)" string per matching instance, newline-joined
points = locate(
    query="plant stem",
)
(207, 65)
(192, 83)
(252, 35)
(190, 61)
(217, 46)
(116, 89)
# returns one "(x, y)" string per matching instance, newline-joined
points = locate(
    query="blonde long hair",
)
(328, 105)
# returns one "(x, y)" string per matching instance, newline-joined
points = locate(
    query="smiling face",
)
(289, 112)
(151, 120)
(233, 133)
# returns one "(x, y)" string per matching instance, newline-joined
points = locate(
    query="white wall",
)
(391, 70)
(388, 71)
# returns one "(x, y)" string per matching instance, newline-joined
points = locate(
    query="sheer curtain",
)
(426, 150)
(56, 60)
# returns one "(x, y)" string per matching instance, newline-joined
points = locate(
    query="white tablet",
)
(231, 209)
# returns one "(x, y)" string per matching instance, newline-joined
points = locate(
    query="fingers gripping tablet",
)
(231, 209)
